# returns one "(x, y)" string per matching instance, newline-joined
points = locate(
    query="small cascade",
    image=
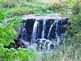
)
(55, 25)
(56, 33)
(48, 29)
(40, 28)
(34, 32)
(48, 36)
(44, 43)
(44, 28)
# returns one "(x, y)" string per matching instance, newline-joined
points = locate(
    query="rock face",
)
(43, 27)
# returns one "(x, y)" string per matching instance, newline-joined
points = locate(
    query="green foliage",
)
(76, 8)
(7, 34)
(1, 15)
(76, 19)
(70, 3)
(69, 51)
(19, 7)
(75, 27)
(75, 23)
(19, 54)
(56, 6)
(1, 1)
(7, 31)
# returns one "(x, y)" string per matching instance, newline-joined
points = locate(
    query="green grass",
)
(20, 7)
(16, 8)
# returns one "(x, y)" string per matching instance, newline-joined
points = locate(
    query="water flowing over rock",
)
(47, 27)
(34, 32)
(55, 30)
(44, 28)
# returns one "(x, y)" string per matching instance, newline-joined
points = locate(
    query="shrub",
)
(20, 54)
(7, 31)
(76, 8)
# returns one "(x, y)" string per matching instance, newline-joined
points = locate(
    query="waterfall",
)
(56, 36)
(34, 32)
(57, 40)
(48, 36)
(44, 28)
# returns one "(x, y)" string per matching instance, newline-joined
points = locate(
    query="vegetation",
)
(19, 54)
(69, 51)
(19, 7)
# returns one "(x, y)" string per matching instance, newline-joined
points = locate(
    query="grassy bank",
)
(19, 7)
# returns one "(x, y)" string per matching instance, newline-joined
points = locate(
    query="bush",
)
(7, 35)
(75, 27)
(7, 31)
(76, 8)
(17, 54)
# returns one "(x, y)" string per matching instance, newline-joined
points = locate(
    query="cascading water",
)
(44, 28)
(56, 36)
(48, 36)
(56, 33)
(36, 29)
(34, 32)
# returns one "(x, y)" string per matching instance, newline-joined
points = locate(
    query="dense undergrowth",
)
(17, 54)
(69, 51)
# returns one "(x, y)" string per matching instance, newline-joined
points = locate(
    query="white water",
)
(38, 32)
(48, 36)
(34, 32)
(44, 27)
(56, 40)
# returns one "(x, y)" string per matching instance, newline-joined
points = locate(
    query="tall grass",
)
(63, 53)
(22, 7)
